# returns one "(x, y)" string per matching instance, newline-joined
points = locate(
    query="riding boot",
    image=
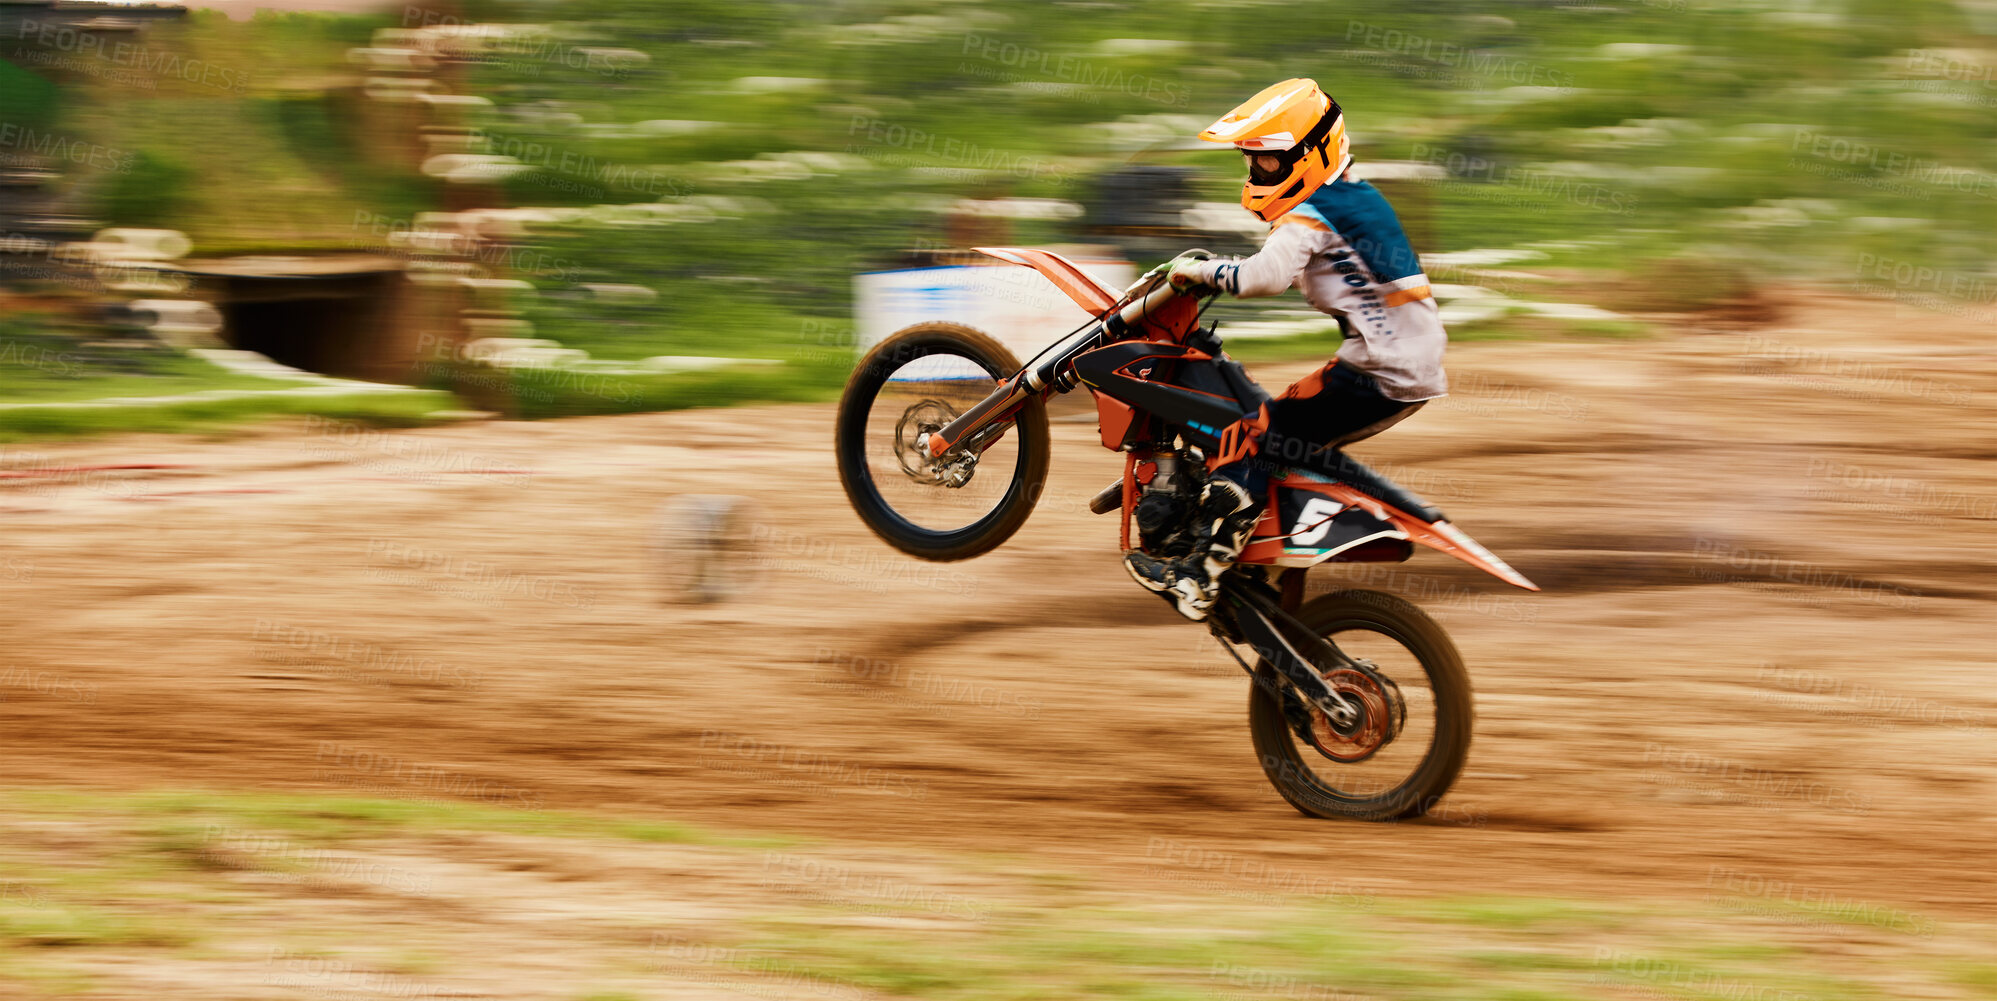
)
(1226, 516)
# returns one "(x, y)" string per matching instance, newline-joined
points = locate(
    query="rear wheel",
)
(913, 383)
(1404, 751)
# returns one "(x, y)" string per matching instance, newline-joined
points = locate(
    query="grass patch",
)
(40, 363)
(64, 925)
(1982, 976)
(1198, 950)
(543, 393)
(1522, 914)
(411, 409)
(1268, 350)
(146, 874)
(1511, 326)
(171, 818)
(40, 366)
(1519, 325)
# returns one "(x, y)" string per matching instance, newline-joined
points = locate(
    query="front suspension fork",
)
(1257, 615)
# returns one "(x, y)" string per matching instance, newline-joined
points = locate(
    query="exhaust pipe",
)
(1110, 499)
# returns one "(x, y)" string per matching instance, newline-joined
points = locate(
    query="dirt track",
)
(1764, 644)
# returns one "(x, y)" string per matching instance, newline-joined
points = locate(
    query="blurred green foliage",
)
(27, 100)
(152, 191)
(1690, 148)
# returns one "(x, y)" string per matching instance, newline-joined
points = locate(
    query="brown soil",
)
(1764, 643)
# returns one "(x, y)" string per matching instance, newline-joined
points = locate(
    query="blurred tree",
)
(148, 194)
(27, 100)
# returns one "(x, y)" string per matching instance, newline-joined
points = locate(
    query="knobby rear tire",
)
(849, 438)
(1286, 764)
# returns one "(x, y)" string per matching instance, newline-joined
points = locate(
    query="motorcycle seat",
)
(1334, 466)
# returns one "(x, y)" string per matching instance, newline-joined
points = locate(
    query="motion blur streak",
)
(424, 570)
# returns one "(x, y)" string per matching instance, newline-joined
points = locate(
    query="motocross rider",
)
(1337, 240)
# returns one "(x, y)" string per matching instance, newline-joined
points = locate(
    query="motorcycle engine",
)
(1164, 514)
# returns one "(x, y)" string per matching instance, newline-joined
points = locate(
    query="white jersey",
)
(1343, 248)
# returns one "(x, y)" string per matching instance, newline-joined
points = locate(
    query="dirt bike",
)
(1360, 706)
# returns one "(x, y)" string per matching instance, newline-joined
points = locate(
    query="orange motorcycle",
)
(1360, 705)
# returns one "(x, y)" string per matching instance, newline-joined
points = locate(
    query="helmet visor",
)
(1266, 168)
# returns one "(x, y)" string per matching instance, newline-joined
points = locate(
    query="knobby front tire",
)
(851, 434)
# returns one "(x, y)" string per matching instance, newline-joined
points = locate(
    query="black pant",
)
(1321, 413)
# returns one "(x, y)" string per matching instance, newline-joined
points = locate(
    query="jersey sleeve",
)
(1272, 269)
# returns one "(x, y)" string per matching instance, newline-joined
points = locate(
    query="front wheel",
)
(914, 383)
(1404, 752)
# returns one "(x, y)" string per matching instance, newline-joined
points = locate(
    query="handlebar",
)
(1045, 370)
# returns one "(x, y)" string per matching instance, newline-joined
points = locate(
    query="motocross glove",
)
(1185, 272)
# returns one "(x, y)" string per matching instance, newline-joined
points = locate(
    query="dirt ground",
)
(1763, 650)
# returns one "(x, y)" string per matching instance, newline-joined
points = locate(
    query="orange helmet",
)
(1294, 137)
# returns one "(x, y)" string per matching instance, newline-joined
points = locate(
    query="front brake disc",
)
(926, 417)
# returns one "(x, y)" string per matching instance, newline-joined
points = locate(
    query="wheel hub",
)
(1381, 712)
(917, 422)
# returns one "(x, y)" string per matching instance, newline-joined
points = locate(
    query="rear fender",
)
(1438, 535)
